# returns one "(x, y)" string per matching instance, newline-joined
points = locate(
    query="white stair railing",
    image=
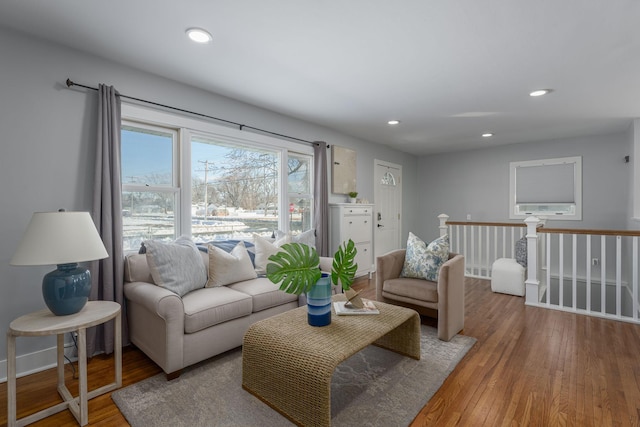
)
(592, 272)
(481, 243)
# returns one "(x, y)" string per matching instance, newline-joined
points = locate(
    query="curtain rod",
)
(240, 125)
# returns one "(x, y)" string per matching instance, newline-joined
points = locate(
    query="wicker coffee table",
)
(288, 364)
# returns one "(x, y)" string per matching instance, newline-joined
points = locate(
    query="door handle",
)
(380, 225)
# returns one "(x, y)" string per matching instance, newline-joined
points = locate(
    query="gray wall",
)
(46, 158)
(476, 182)
(46, 154)
(633, 141)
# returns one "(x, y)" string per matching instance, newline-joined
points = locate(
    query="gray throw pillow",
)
(176, 266)
(521, 252)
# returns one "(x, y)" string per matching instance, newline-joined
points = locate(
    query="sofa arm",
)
(156, 323)
(451, 297)
(388, 266)
(156, 299)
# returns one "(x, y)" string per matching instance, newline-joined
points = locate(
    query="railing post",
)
(532, 285)
(443, 224)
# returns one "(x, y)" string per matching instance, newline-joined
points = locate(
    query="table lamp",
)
(65, 239)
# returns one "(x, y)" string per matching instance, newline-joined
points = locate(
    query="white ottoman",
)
(507, 277)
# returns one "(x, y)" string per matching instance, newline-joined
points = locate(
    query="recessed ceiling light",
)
(487, 135)
(199, 35)
(539, 92)
(394, 122)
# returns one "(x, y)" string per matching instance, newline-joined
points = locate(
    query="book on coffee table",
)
(346, 310)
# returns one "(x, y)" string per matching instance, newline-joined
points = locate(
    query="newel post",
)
(443, 224)
(532, 284)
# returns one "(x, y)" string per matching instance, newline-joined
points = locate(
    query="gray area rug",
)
(375, 387)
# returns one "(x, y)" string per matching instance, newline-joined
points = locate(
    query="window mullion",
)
(184, 164)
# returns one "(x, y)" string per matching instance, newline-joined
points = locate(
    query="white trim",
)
(38, 361)
(577, 180)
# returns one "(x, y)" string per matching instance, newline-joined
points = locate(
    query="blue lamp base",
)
(66, 290)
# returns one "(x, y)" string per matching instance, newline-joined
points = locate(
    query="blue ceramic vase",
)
(319, 302)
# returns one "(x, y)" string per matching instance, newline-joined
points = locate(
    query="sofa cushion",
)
(264, 249)
(422, 261)
(210, 306)
(136, 269)
(307, 237)
(415, 289)
(226, 268)
(177, 265)
(264, 292)
(228, 245)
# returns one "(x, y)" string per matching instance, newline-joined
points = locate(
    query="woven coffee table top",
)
(288, 363)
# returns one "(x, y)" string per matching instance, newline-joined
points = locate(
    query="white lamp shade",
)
(59, 238)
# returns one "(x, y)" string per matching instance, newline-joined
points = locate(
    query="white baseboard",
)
(31, 363)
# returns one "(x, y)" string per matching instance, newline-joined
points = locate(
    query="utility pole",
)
(206, 187)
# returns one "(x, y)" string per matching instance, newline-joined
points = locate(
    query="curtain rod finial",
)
(69, 83)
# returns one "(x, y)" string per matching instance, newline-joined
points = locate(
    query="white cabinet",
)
(355, 222)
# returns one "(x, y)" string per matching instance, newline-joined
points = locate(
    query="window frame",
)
(188, 127)
(291, 194)
(173, 188)
(542, 209)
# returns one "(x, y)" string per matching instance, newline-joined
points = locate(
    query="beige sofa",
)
(176, 332)
(443, 300)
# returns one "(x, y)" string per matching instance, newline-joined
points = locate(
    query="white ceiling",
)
(448, 69)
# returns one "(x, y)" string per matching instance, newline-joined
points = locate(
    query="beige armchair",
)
(443, 300)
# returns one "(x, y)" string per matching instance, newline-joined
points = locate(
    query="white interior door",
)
(387, 215)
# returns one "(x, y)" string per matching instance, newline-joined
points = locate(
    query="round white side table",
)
(44, 322)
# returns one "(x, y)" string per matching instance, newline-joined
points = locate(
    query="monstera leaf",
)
(344, 268)
(295, 267)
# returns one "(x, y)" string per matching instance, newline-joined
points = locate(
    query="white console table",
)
(44, 322)
(353, 221)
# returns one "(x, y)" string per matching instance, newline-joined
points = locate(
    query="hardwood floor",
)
(530, 367)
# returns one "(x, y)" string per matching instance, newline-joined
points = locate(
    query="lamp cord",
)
(73, 368)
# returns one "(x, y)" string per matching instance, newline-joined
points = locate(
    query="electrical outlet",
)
(595, 262)
(468, 217)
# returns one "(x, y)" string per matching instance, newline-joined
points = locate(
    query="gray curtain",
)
(107, 275)
(321, 198)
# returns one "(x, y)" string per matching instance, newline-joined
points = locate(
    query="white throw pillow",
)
(176, 266)
(307, 237)
(422, 261)
(226, 268)
(264, 249)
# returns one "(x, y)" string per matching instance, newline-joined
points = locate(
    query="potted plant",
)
(352, 196)
(297, 268)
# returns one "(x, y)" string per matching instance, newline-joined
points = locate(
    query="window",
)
(149, 183)
(234, 183)
(300, 183)
(234, 190)
(550, 188)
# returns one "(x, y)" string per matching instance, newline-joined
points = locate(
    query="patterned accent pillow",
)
(521, 251)
(226, 268)
(177, 265)
(422, 261)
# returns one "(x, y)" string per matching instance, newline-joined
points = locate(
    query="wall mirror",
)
(343, 170)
